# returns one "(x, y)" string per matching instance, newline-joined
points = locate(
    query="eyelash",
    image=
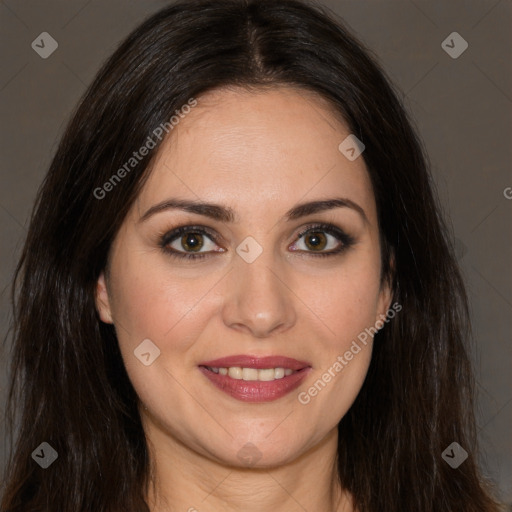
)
(346, 240)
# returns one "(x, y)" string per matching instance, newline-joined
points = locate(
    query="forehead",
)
(251, 149)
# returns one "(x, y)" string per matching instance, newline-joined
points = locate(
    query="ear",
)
(386, 294)
(102, 300)
(384, 302)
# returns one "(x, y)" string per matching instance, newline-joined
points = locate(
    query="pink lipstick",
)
(255, 379)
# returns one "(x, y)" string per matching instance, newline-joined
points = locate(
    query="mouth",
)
(255, 379)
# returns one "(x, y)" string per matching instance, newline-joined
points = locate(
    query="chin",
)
(262, 453)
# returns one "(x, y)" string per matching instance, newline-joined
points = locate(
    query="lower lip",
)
(255, 390)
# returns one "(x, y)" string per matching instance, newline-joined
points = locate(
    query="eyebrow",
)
(227, 214)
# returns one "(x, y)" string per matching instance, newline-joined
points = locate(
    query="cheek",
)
(154, 302)
(347, 302)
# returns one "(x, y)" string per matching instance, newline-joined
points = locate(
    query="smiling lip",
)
(256, 391)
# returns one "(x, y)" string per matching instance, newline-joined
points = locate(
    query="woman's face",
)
(259, 291)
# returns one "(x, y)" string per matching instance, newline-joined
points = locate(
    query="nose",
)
(258, 299)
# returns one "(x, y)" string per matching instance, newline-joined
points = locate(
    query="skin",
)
(260, 153)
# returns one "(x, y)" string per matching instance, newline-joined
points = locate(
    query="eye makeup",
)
(193, 236)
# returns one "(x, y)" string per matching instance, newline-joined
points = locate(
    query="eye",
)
(187, 242)
(323, 239)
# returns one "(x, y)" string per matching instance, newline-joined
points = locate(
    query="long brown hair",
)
(69, 386)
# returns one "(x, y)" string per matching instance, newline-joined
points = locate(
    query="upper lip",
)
(248, 361)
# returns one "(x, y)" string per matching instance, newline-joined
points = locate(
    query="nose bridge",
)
(258, 299)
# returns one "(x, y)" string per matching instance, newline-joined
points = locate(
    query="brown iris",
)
(316, 240)
(192, 241)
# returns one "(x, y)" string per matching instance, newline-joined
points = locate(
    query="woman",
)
(237, 292)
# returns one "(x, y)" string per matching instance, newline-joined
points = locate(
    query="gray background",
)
(462, 109)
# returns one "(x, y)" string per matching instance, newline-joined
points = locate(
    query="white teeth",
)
(278, 373)
(235, 372)
(249, 374)
(264, 374)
